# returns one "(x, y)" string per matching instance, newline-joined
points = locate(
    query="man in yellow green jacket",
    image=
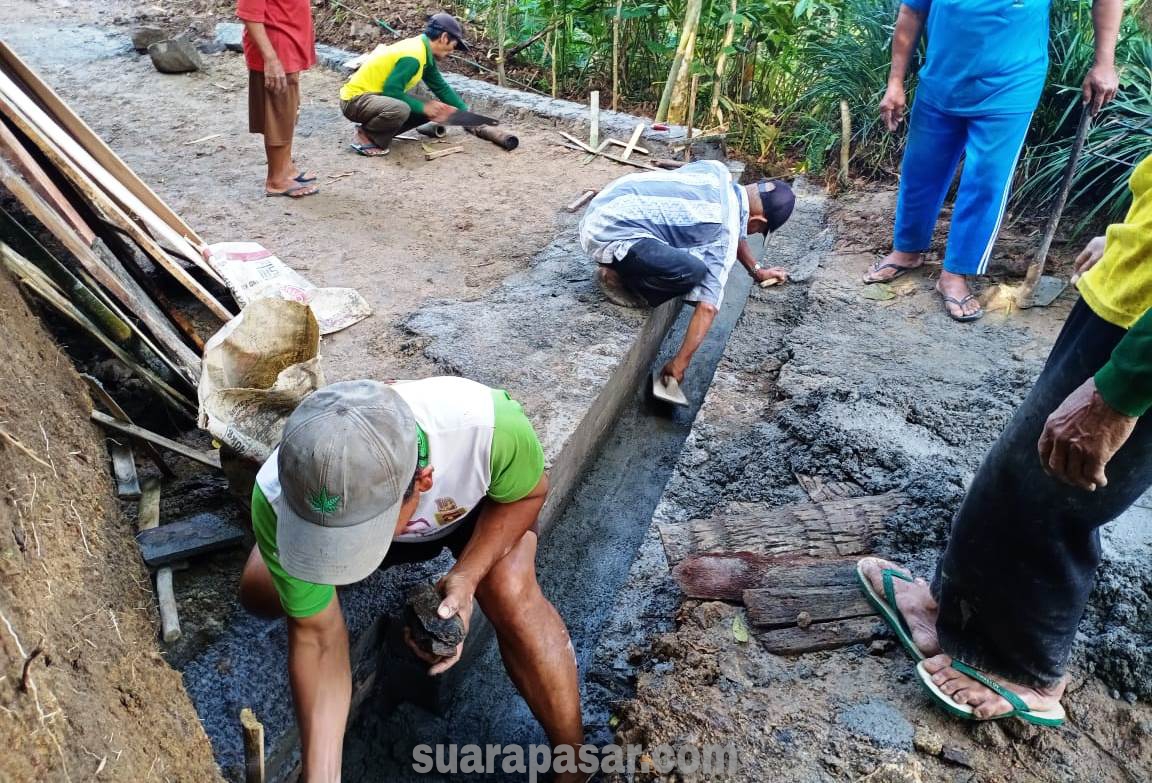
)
(376, 97)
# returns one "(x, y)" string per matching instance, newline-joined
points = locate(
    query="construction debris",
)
(148, 518)
(441, 153)
(209, 458)
(253, 746)
(429, 630)
(176, 541)
(584, 198)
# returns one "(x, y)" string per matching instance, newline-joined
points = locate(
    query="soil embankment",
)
(85, 693)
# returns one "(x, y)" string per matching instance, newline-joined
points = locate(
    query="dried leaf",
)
(740, 630)
(880, 292)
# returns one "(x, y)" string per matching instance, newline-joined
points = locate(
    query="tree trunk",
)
(721, 64)
(616, 56)
(681, 62)
(501, 32)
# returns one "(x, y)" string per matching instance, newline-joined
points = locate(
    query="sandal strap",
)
(982, 678)
(887, 575)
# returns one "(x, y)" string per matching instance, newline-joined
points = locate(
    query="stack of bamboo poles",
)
(113, 230)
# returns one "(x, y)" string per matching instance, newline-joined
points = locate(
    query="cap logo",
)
(323, 502)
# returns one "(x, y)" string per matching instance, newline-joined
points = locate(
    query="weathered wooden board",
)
(819, 636)
(209, 458)
(124, 469)
(186, 538)
(722, 576)
(781, 606)
(832, 528)
(819, 489)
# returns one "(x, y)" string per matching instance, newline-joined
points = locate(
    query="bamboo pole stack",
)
(110, 226)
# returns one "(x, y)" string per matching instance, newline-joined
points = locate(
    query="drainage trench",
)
(583, 562)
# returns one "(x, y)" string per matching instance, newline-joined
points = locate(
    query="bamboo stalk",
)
(691, 115)
(552, 57)
(687, 41)
(722, 63)
(845, 141)
(616, 56)
(501, 32)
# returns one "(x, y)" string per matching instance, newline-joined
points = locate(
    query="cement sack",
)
(252, 272)
(256, 370)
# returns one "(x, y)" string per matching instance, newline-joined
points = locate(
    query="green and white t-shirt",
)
(480, 445)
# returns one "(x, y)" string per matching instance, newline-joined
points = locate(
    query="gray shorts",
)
(381, 117)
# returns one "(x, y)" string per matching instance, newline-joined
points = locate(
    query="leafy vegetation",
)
(773, 75)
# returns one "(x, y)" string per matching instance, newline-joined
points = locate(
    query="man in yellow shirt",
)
(376, 97)
(994, 631)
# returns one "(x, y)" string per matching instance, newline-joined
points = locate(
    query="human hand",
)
(1088, 257)
(275, 80)
(674, 369)
(458, 595)
(437, 111)
(892, 106)
(1081, 436)
(1100, 85)
(776, 274)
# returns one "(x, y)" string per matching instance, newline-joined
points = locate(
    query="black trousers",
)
(659, 272)
(1021, 559)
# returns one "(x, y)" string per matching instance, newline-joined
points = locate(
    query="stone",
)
(1020, 730)
(880, 646)
(928, 741)
(957, 756)
(231, 35)
(429, 630)
(175, 56)
(906, 771)
(145, 36)
(989, 734)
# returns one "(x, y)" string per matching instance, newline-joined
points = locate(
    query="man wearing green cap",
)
(429, 464)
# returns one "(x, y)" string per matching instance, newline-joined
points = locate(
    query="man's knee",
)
(506, 592)
(669, 264)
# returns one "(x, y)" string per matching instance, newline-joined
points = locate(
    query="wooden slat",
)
(124, 470)
(209, 458)
(104, 398)
(94, 145)
(186, 538)
(19, 157)
(819, 636)
(148, 518)
(782, 607)
(86, 185)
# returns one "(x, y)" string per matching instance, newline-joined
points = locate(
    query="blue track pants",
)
(936, 140)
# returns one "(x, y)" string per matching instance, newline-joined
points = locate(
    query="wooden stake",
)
(443, 152)
(594, 119)
(501, 33)
(691, 116)
(148, 518)
(253, 747)
(638, 150)
(585, 197)
(209, 458)
(631, 145)
(845, 141)
(579, 146)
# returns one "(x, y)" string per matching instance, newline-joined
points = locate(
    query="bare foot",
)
(892, 266)
(914, 601)
(612, 285)
(958, 298)
(985, 702)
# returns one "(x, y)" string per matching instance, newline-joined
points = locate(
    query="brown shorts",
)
(273, 114)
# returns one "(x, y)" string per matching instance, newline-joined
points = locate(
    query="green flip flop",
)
(885, 606)
(1053, 717)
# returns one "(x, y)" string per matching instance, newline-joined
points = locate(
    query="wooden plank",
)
(581, 147)
(443, 152)
(186, 538)
(631, 145)
(124, 469)
(19, 157)
(104, 398)
(94, 145)
(638, 150)
(833, 528)
(148, 518)
(727, 576)
(584, 198)
(177, 352)
(819, 636)
(784, 604)
(87, 186)
(209, 458)
(594, 119)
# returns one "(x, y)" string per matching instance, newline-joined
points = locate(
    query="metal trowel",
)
(668, 390)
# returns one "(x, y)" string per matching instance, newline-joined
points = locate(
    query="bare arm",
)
(748, 260)
(321, 677)
(693, 338)
(499, 528)
(909, 26)
(274, 78)
(1101, 82)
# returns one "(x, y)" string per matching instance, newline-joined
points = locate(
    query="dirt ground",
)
(78, 620)
(890, 395)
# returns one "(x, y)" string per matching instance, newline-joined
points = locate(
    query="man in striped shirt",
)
(659, 235)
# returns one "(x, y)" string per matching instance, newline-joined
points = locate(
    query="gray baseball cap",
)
(348, 454)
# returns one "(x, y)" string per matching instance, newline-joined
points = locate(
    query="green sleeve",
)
(405, 69)
(299, 598)
(440, 88)
(1125, 382)
(517, 457)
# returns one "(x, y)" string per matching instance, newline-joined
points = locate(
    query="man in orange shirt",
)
(279, 43)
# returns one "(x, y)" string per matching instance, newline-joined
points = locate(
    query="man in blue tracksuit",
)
(982, 78)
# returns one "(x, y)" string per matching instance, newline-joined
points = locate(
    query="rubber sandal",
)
(976, 316)
(303, 180)
(1052, 717)
(369, 150)
(885, 605)
(879, 267)
(300, 191)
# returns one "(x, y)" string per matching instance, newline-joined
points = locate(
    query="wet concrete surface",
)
(584, 559)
